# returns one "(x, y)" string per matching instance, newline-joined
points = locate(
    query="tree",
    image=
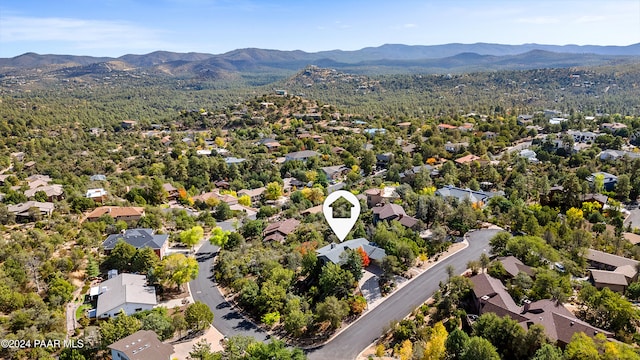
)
(198, 316)
(598, 183)
(352, 262)
(71, 354)
(223, 211)
(244, 200)
(144, 260)
(192, 236)
(499, 242)
(117, 328)
(364, 257)
(159, 323)
(581, 347)
(456, 343)
(479, 348)
(219, 237)
(548, 352)
(273, 191)
(623, 187)
(179, 269)
(335, 280)
(406, 350)
(333, 310)
(60, 291)
(484, 261)
(121, 256)
(202, 351)
(436, 346)
(367, 162)
(574, 218)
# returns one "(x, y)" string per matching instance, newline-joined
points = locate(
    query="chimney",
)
(527, 305)
(333, 245)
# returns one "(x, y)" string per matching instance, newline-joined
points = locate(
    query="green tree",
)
(178, 269)
(144, 260)
(623, 187)
(117, 328)
(219, 237)
(352, 262)
(60, 291)
(223, 211)
(581, 347)
(479, 348)
(367, 162)
(198, 316)
(548, 352)
(159, 323)
(192, 236)
(121, 256)
(202, 351)
(333, 310)
(334, 280)
(71, 354)
(456, 344)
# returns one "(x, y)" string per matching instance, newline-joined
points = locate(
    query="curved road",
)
(362, 333)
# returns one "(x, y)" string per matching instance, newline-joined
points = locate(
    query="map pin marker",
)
(341, 225)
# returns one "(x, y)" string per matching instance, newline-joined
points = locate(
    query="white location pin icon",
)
(341, 225)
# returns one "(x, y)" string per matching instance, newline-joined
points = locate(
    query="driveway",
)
(227, 319)
(633, 218)
(349, 343)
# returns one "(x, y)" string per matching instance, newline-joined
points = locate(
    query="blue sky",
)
(118, 27)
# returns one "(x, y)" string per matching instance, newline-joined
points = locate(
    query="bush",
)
(271, 318)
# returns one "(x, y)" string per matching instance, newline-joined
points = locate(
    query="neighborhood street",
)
(349, 343)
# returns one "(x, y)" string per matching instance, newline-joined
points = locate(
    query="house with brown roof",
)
(141, 345)
(52, 192)
(390, 212)
(490, 295)
(513, 266)
(279, 231)
(124, 213)
(128, 124)
(381, 195)
(172, 191)
(468, 159)
(445, 127)
(24, 212)
(254, 194)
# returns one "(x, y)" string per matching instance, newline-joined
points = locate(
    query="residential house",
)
(229, 199)
(303, 155)
(455, 147)
(234, 160)
(52, 192)
(23, 211)
(489, 135)
(583, 136)
(491, 296)
(408, 175)
(475, 197)
(613, 127)
(597, 198)
(404, 125)
(608, 155)
(611, 271)
(335, 172)
(530, 155)
(272, 146)
(381, 195)
(557, 120)
(445, 127)
(141, 345)
(383, 160)
(98, 177)
(331, 253)
(524, 119)
(97, 195)
(203, 152)
(172, 191)
(375, 131)
(465, 127)
(280, 92)
(610, 180)
(124, 213)
(468, 159)
(3, 178)
(128, 124)
(279, 231)
(139, 238)
(390, 212)
(513, 266)
(124, 292)
(254, 194)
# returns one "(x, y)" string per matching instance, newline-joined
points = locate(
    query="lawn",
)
(81, 310)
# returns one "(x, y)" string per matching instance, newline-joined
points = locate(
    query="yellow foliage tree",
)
(429, 190)
(244, 200)
(435, 348)
(311, 175)
(574, 217)
(219, 141)
(406, 351)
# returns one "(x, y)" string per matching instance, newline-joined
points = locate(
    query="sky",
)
(118, 27)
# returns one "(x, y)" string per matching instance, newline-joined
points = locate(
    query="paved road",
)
(229, 321)
(349, 343)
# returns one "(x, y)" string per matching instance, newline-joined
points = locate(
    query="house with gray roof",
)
(475, 197)
(332, 252)
(21, 211)
(141, 345)
(303, 155)
(609, 180)
(139, 238)
(611, 271)
(124, 292)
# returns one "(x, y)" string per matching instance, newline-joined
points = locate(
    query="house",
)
(128, 124)
(513, 266)
(128, 292)
(557, 120)
(332, 252)
(609, 180)
(468, 159)
(303, 155)
(139, 238)
(254, 194)
(611, 271)
(124, 213)
(490, 295)
(383, 160)
(455, 147)
(172, 191)
(281, 92)
(404, 125)
(377, 196)
(278, 231)
(597, 198)
(608, 155)
(445, 127)
(141, 345)
(390, 212)
(375, 131)
(22, 210)
(524, 119)
(52, 192)
(272, 146)
(335, 172)
(411, 173)
(234, 160)
(612, 127)
(475, 197)
(583, 136)
(204, 152)
(97, 195)
(530, 155)
(229, 199)
(98, 177)
(489, 135)
(466, 127)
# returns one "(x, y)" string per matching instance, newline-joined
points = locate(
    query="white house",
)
(128, 292)
(141, 345)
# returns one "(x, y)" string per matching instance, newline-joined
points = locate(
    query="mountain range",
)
(389, 58)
